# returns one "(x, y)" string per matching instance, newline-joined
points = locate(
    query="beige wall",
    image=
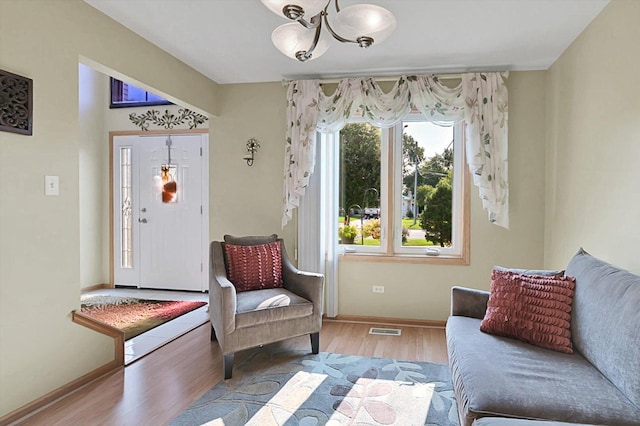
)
(593, 142)
(420, 291)
(91, 154)
(248, 200)
(40, 273)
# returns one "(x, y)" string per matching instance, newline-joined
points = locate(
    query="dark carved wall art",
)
(16, 103)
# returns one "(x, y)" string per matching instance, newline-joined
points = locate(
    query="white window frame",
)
(384, 194)
(391, 248)
(457, 189)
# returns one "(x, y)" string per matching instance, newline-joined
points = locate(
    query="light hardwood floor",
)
(155, 389)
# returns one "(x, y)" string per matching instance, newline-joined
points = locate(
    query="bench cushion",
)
(499, 376)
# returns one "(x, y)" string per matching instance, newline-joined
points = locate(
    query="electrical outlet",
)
(378, 289)
(51, 185)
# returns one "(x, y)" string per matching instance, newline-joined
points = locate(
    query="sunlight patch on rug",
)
(285, 387)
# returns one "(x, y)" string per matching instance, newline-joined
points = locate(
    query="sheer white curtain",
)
(481, 100)
(485, 117)
(300, 148)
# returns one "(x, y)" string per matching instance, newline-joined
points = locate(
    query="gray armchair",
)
(242, 320)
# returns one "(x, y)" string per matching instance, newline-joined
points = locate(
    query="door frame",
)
(205, 189)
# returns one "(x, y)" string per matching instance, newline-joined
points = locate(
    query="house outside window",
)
(386, 208)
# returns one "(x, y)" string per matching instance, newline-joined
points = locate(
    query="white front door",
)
(160, 243)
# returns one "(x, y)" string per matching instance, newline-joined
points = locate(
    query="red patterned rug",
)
(134, 316)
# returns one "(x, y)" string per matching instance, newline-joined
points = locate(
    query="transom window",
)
(125, 95)
(402, 191)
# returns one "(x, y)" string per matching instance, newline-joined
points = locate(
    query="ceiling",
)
(230, 40)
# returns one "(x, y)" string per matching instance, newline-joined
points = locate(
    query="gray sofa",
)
(598, 384)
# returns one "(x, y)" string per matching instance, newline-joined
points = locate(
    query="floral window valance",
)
(480, 100)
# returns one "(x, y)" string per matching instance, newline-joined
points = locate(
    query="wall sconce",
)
(252, 147)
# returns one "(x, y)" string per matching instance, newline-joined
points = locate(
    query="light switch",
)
(51, 185)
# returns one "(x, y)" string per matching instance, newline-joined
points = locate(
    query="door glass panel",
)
(168, 184)
(126, 193)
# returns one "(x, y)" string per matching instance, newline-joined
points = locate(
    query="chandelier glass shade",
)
(292, 38)
(310, 7)
(304, 39)
(366, 20)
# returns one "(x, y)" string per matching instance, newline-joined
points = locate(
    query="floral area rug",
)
(297, 388)
(134, 316)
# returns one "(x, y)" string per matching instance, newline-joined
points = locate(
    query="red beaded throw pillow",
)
(533, 308)
(254, 267)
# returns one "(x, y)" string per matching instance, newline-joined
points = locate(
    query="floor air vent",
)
(385, 331)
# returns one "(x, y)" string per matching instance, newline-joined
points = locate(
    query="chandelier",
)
(303, 39)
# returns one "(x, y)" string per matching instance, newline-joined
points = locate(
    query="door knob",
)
(143, 210)
(143, 220)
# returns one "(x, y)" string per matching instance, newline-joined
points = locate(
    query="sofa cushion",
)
(498, 376)
(606, 320)
(275, 304)
(533, 308)
(254, 267)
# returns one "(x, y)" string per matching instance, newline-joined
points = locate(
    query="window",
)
(125, 95)
(359, 184)
(385, 207)
(126, 218)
